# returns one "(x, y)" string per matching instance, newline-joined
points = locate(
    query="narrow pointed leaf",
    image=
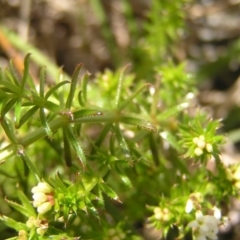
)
(26, 203)
(127, 101)
(172, 140)
(6, 173)
(9, 130)
(13, 224)
(89, 181)
(28, 115)
(55, 88)
(170, 112)
(123, 145)
(26, 70)
(42, 81)
(75, 145)
(108, 191)
(67, 149)
(11, 87)
(11, 78)
(45, 124)
(80, 99)
(82, 95)
(22, 209)
(120, 83)
(30, 165)
(73, 86)
(111, 145)
(52, 107)
(138, 122)
(8, 106)
(103, 134)
(86, 113)
(13, 72)
(58, 183)
(18, 110)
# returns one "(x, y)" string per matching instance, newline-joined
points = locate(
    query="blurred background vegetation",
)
(204, 35)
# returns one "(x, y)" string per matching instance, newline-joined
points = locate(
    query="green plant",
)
(91, 159)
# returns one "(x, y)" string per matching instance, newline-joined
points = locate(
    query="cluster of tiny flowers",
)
(201, 145)
(233, 174)
(43, 197)
(40, 225)
(205, 227)
(161, 214)
(115, 234)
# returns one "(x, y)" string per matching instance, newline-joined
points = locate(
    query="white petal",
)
(193, 224)
(189, 206)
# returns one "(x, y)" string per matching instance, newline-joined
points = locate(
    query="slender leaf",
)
(11, 87)
(127, 101)
(9, 130)
(26, 70)
(67, 149)
(52, 107)
(13, 224)
(110, 193)
(8, 106)
(26, 203)
(42, 81)
(22, 209)
(30, 165)
(55, 88)
(123, 145)
(82, 95)
(120, 83)
(138, 122)
(75, 145)
(28, 115)
(45, 124)
(13, 73)
(58, 183)
(73, 86)
(86, 113)
(18, 110)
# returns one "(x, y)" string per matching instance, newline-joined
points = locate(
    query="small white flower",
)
(217, 213)
(204, 226)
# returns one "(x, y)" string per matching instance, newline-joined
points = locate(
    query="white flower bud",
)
(158, 213)
(30, 222)
(198, 151)
(45, 207)
(201, 143)
(44, 187)
(41, 230)
(40, 197)
(195, 140)
(209, 147)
